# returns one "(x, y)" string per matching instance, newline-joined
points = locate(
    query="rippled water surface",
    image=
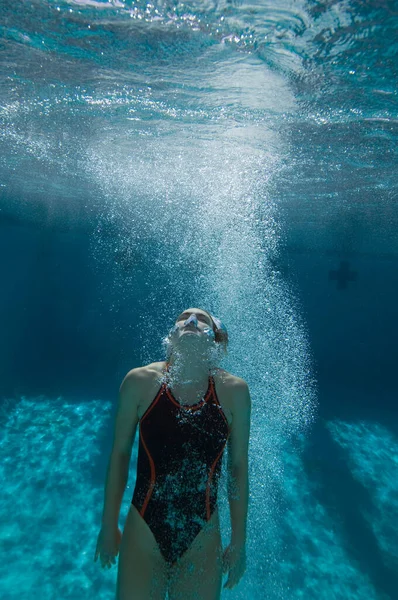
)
(216, 154)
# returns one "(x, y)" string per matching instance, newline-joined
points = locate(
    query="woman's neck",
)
(187, 373)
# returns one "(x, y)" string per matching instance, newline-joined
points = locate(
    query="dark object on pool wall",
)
(343, 275)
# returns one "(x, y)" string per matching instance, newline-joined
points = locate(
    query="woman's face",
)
(193, 327)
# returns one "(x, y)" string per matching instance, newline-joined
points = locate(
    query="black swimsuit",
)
(179, 464)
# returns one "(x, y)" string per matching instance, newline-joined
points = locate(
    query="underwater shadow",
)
(345, 499)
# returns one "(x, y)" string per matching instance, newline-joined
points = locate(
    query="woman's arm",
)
(238, 476)
(238, 482)
(124, 432)
(110, 536)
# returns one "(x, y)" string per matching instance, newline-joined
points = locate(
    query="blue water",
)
(236, 156)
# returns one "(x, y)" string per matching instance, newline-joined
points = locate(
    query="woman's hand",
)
(108, 543)
(234, 563)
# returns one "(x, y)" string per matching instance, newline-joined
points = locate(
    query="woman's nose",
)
(192, 319)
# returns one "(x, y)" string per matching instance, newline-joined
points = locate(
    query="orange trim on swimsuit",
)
(151, 462)
(180, 449)
(189, 406)
(208, 512)
(213, 389)
(213, 466)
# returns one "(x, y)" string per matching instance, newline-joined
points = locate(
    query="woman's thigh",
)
(198, 574)
(142, 573)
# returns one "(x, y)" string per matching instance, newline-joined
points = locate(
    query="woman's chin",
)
(192, 342)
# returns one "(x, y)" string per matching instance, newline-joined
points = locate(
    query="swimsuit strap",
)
(210, 388)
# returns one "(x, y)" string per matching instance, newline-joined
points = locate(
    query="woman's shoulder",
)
(233, 393)
(155, 367)
(227, 379)
(146, 373)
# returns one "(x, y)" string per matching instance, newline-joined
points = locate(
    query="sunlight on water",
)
(163, 128)
(198, 205)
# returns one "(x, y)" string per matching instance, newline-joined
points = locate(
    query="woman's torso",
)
(155, 378)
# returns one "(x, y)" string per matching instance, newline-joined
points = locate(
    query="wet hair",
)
(220, 331)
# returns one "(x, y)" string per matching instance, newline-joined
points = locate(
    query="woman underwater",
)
(171, 541)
